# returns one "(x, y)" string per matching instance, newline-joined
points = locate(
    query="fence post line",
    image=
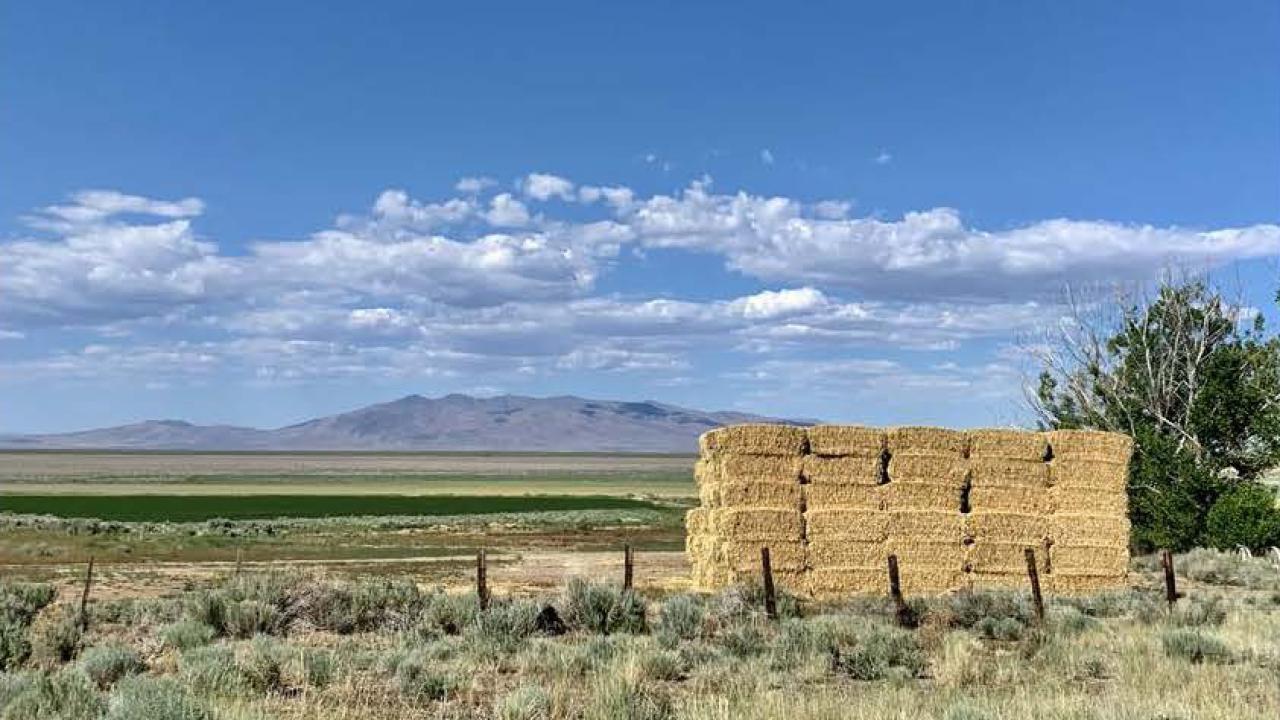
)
(84, 596)
(628, 566)
(1033, 573)
(482, 580)
(770, 600)
(901, 611)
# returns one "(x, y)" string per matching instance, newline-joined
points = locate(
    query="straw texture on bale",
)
(848, 497)
(922, 496)
(819, 470)
(755, 440)
(1008, 444)
(846, 441)
(833, 502)
(947, 470)
(1090, 445)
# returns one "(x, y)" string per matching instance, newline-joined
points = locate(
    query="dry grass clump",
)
(783, 440)
(846, 441)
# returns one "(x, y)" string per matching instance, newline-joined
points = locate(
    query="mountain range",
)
(452, 422)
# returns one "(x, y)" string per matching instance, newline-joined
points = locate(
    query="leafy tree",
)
(1198, 392)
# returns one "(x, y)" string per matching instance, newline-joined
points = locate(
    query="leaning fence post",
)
(482, 584)
(1034, 574)
(903, 613)
(770, 600)
(1171, 593)
(84, 596)
(628, 566)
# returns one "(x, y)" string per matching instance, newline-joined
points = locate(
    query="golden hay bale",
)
(926, 526)
(755, 440)
(760, 468)
(709, 495)
(846, 440)
(1007, 527)
(1006, 472)
(1067, 530)
(1088, 501)
(1090, 445)
(995, 557)
(922, 468)
(759, 524)
(745, 555)
(706, 470)
(926, 553)
(841, 470)
(1082, 584)
(839, 552)
(919, 580)
(1091, 474)
(760, 494)
(1088, 559)
(696, 521)
(846, 497)
(925, 441)
(1026, 500)
(1009, 444)
(997, 580)
(922, 496)
(864, 525)
(833, 583)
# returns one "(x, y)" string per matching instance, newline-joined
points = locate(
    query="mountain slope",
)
(453, 422)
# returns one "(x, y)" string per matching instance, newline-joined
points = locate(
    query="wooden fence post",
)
(482, 580)
(1034, 574)
(628, 566)
(1171, 593)
(770, 600)
(904, 616)
(84, 596)
(237, 572)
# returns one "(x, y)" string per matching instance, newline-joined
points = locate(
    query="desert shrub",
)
(186, 634)
(318, 667)
(1244, 515)
(1000, 628)
(655, 663)
(247, 618)
(960, 661)
(797, 642)
(277, 588)
(875, 652)
(1067, 620)
(152, 698)
(738, 602)
(207, 608)
(60, 639)
(504, 625)
(603, 609)
(527, 702)
(263, 665)
(1112, 604)
(65, 695)
(615, 696)
(445, 614)
(1225, 568)
(1198, 610)
(366, 606)
(210, 669)
(1196, 646)
(682, 616)
(20, 602)
(15, 648)
(742, 639)
(995, 611)
(420, 679)
(107, 664)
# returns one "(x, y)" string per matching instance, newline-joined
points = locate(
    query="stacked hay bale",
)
(1007, 502)
(957, 509)
(749, 482)
(927, 473)
(846, 526)
(1088, 510)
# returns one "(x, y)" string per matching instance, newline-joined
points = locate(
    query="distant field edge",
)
(195, 508)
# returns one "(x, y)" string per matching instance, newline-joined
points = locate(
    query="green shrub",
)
(682, 616)
(418, 678)
(878, 652)
(1198, 610)
(1244, 515)
(20, 602)
(797, 642)
(207, 608)
(1067, 621)
(1000, 628)
(263, 666)
(603, 609)
(60, 639)
(151, 698)
(660, 664)
(742, 639)
(186, 634)
(1195, 646)
(615, 696)
(366, 606)
(107, 664)
(995, 610)
(210, 669)
(445, 614)
(65, 695)
(15, 648)
(318, 667)
(527, 702)
(504, 625)
(1215, 567)
(247, 618)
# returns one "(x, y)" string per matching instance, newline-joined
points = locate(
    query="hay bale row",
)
(924, 526)
(1089, 474)
(853, 470)
(1007, 472)
(926, 441)
(907, 497)
(847, 524)
(759, 524)
(1090, 445)
(776, 440)
(835, 583)
(1027, 529)
(997, 499)
(844, 497)
(839, 552)
(1087, 501)
(950, 470)
(1088, 560)
(752, 494)
(846, 441)
(1008, 445)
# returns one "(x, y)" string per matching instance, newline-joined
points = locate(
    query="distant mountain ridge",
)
(453, 422)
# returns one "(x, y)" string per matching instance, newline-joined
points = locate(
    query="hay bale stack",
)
(1088, 507)
(927, 469)
(780, 440)
(846, 441)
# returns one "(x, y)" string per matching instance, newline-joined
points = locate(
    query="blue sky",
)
(254, 212)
